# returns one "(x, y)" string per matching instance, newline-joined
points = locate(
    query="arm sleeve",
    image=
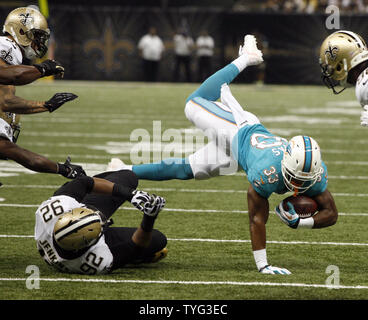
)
(77, 188)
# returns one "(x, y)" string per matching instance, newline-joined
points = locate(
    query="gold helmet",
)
(30, 31)
(340, 52)
(78, 229)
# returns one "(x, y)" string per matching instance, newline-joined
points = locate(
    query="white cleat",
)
(116, 164)
(249, 48)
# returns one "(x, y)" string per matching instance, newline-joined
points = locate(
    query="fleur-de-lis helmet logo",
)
(331, 52)
(25, 18)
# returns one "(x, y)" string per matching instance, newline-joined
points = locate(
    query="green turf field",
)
(206, 222)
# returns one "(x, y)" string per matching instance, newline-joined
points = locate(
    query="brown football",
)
(304, 206)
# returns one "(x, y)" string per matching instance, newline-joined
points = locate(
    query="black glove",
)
(49, 68)
(58, 100)
(70, 171)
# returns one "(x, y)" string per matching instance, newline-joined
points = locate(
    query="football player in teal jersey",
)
(272, 164)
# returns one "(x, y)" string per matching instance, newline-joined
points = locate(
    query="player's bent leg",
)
(157, 249)
(168, 169)
(212, 161)
(210, 89)
(125, 251)
(108, 204)
(249, 55)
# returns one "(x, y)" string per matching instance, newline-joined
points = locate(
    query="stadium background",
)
(97, 40)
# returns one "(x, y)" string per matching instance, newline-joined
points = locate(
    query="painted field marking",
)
(17, 205)
(177, 282)
(234, 241)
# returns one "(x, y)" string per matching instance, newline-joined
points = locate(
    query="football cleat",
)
(160, 255)
(249, 48)
(274, 270)
(116, 164)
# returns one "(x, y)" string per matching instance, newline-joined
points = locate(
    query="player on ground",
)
(73, 231)
(344, 63)
(25, 35)
(272, 164)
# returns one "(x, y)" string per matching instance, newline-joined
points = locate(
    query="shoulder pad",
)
(10, 51)
(361, 88)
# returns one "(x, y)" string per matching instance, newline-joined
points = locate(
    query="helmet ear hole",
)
(21, 31)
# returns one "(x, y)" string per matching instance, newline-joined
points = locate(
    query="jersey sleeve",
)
(77, 188)
(10, 52)
(361, 89)
(321, 185)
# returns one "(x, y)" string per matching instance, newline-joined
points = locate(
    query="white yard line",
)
(177, 282)
(15, 205)
(323, 243)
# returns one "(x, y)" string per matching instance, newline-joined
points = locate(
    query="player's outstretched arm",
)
(37, 162)
(258, 210)
(327, 213)
(11, 103)
(22, 74)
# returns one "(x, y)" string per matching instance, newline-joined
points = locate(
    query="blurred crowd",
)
(304, 6)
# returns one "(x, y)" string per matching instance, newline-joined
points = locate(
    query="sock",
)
(260, 257)
(167, 169)
(210, 89)
(241, 62)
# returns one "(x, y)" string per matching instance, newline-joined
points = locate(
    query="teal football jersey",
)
(260, 152)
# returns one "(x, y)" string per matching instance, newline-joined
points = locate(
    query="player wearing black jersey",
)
(73, 228)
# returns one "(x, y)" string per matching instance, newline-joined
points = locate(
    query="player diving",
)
(236, 137)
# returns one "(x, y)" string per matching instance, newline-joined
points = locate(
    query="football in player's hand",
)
(304, 206)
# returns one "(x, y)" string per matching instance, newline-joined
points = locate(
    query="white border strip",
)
(213, 283)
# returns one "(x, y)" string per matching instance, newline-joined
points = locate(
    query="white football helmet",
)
(30, 31)
(78, 229)
(301, 165)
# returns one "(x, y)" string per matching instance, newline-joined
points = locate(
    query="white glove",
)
(156, 205)
(274, 270)
(290, 217)
(364, 116)
(150, 205)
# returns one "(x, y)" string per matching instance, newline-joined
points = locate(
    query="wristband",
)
(62, 169)
(147, 223)
(306, 223)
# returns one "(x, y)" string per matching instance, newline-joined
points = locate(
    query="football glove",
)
(274, 270)
(364, 117)
(58, 100)
(49, 68)
(150, 205)
(289, 217)
(69, 170)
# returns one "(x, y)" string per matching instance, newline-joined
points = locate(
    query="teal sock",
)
(210, 89)
(172, 168)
